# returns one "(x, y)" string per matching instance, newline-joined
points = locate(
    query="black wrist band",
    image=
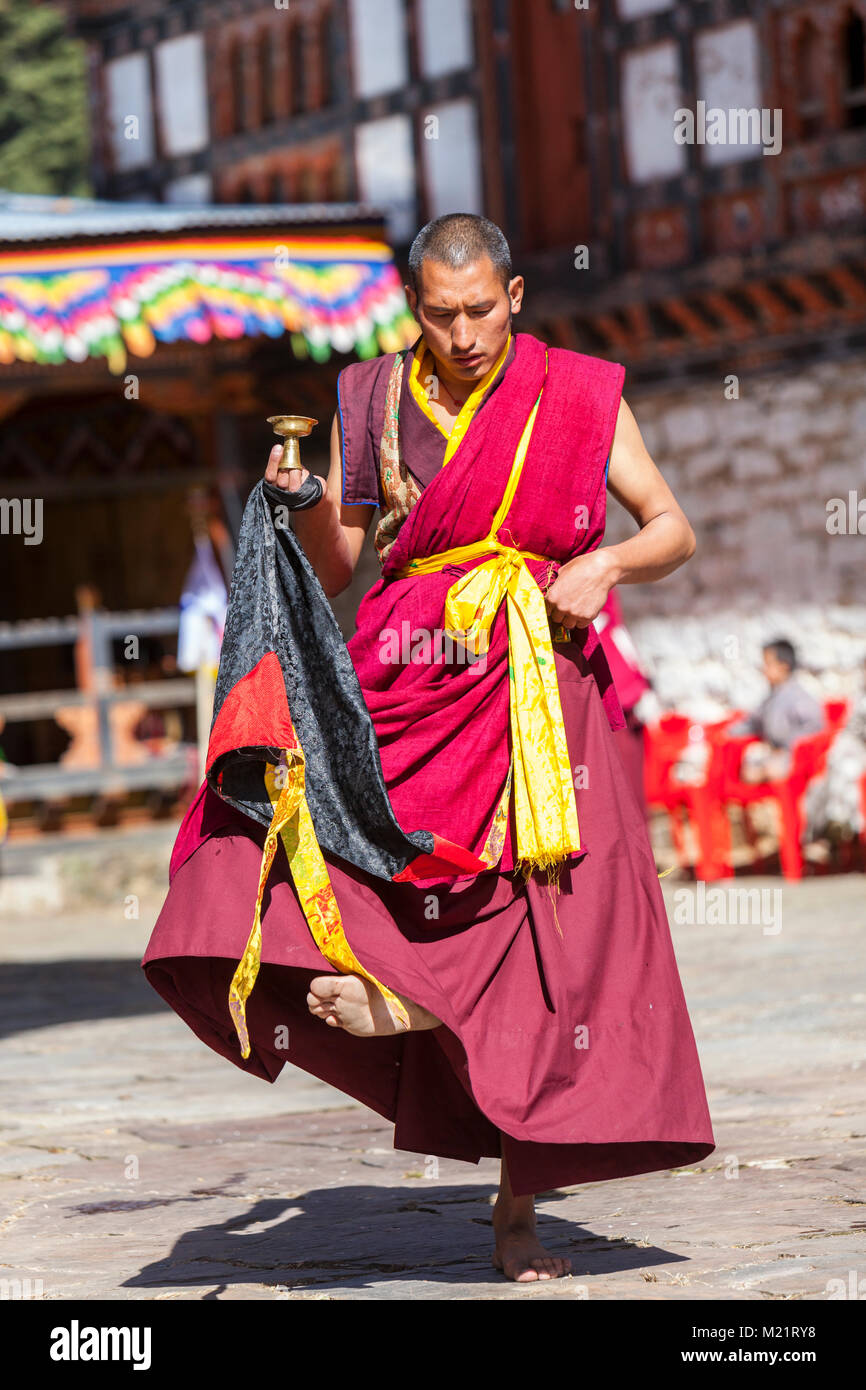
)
(309, 494)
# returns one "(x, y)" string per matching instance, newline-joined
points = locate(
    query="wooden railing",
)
(104, 758)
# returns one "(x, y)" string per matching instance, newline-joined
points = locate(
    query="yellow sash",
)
(544, 802)
(293, 824)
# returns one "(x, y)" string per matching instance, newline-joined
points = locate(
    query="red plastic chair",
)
(663, 744)
(707, 809)
(835, 713)
(687, 803)
(808, 760)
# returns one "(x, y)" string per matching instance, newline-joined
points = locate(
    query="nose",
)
(462, 335)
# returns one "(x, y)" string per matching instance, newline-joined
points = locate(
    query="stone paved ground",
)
(135, 1164)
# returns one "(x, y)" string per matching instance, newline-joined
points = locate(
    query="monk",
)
(521, 998)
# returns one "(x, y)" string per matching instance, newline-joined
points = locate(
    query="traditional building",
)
(726, 156)
(721, 151)
(665, 239)
(313, 100)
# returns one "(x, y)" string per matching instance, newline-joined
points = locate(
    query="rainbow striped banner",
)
(329, 294)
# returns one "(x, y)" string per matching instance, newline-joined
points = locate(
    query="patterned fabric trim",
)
(400, 491)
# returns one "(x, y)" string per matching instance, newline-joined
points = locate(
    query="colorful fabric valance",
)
(67, 304)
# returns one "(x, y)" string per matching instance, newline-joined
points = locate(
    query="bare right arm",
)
(331, 534)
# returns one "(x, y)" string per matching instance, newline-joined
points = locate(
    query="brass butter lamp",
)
(291, 428)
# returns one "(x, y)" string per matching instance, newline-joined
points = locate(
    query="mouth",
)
(472, 360)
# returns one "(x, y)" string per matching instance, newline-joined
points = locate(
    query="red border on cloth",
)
(254, 714)
(447, 857)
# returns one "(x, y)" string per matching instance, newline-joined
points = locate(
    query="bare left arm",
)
(664, 542)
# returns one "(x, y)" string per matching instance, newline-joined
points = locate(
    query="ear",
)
(515, 293)
(412, 297)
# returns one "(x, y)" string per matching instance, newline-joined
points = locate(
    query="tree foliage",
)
(43, 102)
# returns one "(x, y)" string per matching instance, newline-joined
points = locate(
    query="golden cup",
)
(291, 428)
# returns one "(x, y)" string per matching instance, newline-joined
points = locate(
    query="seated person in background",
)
(789, 712)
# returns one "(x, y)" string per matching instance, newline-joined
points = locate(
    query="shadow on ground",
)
(43, 994)
(358, 1237)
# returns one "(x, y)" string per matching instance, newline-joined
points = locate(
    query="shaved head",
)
(457, 240)
(463, 294)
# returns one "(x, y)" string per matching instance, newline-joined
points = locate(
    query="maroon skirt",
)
(565, 1041)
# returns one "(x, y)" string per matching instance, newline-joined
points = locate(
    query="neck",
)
(458, 397)
(457, 387)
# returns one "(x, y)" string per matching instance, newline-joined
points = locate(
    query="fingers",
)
(273, 463)
(568, 620)
(290, 481)
(559, 615)
(565, 618)
(295, 479)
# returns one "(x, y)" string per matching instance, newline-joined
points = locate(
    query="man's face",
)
(465, 316)
(775, 670)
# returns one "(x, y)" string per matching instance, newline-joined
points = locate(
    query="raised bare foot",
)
(354, 1004)
(520, 1256)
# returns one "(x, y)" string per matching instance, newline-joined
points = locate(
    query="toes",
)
(531, 1270)
(325, 987)
(323, 1009)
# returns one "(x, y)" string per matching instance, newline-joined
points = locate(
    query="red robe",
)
(571, 1045)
